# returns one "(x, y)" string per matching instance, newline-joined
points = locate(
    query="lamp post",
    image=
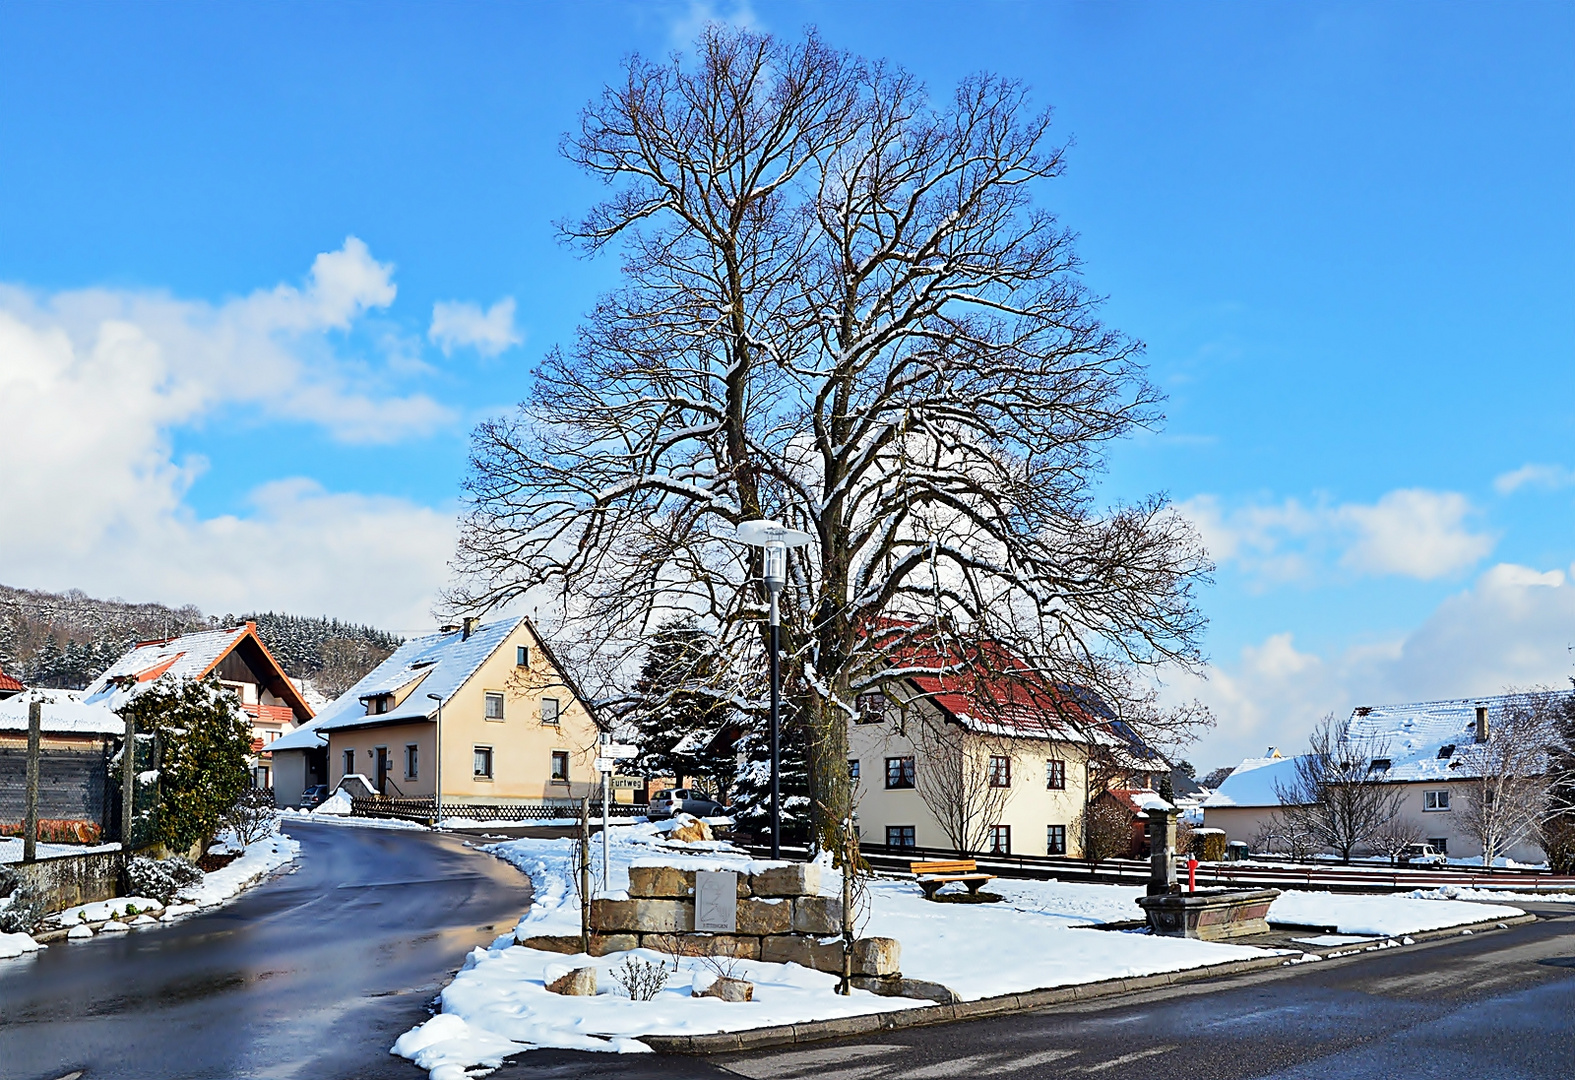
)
(775, 539)
(437, 785)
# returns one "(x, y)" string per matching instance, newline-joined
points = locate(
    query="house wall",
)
(1030, 807)
(522, 745)
(1244, 822)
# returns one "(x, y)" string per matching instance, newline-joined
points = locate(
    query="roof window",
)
(1379, 764)
(1445, 751)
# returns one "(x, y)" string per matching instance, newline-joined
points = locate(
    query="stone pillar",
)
(1162, 851)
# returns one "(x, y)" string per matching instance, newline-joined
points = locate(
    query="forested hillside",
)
(66, 639)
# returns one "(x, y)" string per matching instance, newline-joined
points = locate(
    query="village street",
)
(312, 974)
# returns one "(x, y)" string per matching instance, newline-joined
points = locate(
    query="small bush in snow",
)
(641, 978)
(253, 816)
(161, 879)
(24, 909)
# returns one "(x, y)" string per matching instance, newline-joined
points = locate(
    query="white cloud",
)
(1512, 627)
(456, 323)
(701, 13)
(1546, 477)
(1410, 532)
(96, 383)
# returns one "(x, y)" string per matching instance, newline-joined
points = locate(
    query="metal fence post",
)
(128, 784)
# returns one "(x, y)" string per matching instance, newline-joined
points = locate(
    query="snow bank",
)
(1386, 915)
(1461, 892)
(16, 945)
(337, 804)
(11, 849)
(118, 908)
(361, 822)
(255, 862)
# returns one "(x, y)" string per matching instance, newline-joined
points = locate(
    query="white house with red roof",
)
(240, 661)
(1025, 755)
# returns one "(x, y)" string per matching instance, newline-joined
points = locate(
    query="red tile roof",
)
(8, 683)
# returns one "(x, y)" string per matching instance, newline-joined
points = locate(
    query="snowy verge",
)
(256, 862)
(290, 814)
(1462, 892)
(16, 945)
(1386, 915)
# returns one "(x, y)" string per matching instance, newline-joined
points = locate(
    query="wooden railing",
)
(424, 810)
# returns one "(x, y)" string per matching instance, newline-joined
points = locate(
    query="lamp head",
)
(774, 568)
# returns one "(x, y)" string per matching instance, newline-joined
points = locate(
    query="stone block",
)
(661, 882)
(758, 917)
(795, 879)
(728, 990)
(581, 982)
(820, 915)
(606, 944)
(642, 916)
(558, 943)
(804, 951)
(690, 830)
(742, 948)
(877, 956)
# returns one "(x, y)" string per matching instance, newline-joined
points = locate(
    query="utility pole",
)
(35, 728)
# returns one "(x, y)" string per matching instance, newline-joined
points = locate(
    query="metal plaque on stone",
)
(716, 901)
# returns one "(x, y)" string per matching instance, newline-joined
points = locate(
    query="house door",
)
(382, 770)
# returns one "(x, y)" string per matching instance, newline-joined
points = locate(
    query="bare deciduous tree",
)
(953, 775)
(1337, 794)
(1393, 837)
(1506, 789)
(839, 308)
(1106, 830)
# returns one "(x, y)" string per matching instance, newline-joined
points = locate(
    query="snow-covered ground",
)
(1461, 892)
(332, 818)
(11, 849)
(1385, 915)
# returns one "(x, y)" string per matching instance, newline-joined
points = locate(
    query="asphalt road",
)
(312, 974)
(1491, 1006)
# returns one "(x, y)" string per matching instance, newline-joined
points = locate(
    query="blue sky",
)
(1345, 233)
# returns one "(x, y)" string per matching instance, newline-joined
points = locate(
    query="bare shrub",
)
(253, 817)
(641, 978)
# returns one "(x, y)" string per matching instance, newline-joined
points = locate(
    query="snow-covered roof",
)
(192, 656)
(64, 713)
(440, 663)
(1415, 735)
(1253, 782)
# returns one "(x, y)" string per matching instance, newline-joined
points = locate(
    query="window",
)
(494, 705)
(380, 703)
(1000, 839)
(853, 769)
(899, 836)
(1435, 800)
(549, 711)
(410, 761)
(1055, 840)
(483, 763)
(899, 772)
(1379, 764)
(872, 708)
(1440, 844)
(1055, 774)
(349, 762)
(521, 656)
(1000, 772)
(560, 766)
(1446, 751)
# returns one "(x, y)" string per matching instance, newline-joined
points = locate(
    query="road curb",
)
(1026, 1001)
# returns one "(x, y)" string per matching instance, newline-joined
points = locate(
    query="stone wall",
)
(69, 880)
(781, 918)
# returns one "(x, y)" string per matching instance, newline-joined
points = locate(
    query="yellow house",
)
(513, 726)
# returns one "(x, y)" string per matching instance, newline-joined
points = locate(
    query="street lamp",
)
(437, 787)
(775, 538)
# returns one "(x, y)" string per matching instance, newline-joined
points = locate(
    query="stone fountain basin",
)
(1210, 914)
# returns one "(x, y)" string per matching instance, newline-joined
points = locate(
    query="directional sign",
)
(606, 764)
(618, 750)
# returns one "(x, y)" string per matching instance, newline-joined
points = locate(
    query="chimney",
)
(1482, 723)
(471, 622)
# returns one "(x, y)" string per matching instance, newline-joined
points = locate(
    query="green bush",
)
(162, 879)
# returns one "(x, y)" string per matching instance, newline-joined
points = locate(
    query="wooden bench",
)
(934, 873)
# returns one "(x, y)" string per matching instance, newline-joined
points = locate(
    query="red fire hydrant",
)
(1192, 873)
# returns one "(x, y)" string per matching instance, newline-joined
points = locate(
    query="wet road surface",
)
(311, 974)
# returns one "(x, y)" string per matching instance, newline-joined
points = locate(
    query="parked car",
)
(1422, 855)
(314, 796)
(670, 801)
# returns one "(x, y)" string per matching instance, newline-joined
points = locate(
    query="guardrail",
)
(1325, 878)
